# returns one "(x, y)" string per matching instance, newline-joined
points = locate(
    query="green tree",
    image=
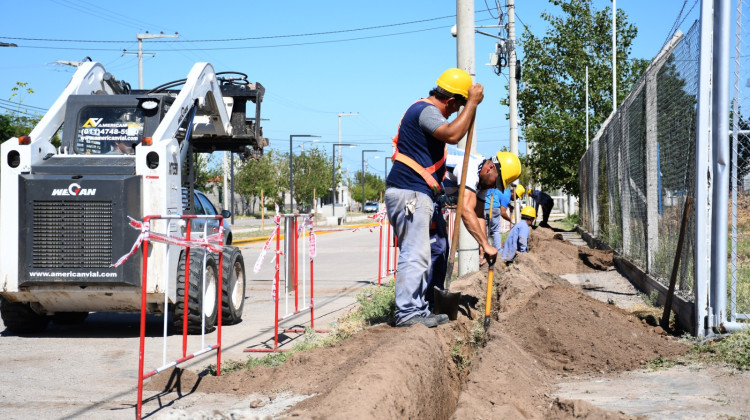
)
(312, 170)
(205, 170)
(373, 187)
(7, 130)
(20, 121)
(256, 175)
(552, 104)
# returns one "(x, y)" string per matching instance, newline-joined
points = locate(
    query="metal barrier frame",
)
(145, 229)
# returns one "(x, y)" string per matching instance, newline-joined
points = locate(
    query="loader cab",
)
(110, 125)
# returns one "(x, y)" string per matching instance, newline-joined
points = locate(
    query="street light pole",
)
(333, 174)
(363, 176)
(343, 114)
(291, 177)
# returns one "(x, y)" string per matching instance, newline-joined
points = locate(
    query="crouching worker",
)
(518, 236)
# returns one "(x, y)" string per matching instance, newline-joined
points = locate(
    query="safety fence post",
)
(206, 242)
(275, 288)
(293, 231)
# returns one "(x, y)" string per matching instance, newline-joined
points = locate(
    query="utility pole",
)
(343, 114)
(512, 82)
(468, 248)
(140, 38)
(465, 51)
(587, 107)
(614, 56)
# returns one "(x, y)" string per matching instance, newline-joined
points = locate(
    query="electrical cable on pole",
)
(140, 38)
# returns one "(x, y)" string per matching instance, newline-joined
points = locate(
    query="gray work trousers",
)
(412, 227)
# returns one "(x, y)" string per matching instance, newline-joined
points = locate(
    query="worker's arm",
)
(472, 223)
(454, 131)
(505, 214)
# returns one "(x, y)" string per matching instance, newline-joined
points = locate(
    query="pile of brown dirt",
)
(542, 329)
(558, 256)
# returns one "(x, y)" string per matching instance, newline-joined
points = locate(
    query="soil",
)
(543, 331)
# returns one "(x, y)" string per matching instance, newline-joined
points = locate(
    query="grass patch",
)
(376, 305)
(651, 299)
(732, 349)
(568, 223)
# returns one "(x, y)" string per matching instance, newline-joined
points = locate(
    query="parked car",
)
(371, 207)
(204, 206)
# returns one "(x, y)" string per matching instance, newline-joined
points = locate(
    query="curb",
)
(248, 241)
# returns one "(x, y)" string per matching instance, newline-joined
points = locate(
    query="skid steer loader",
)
(124, 153)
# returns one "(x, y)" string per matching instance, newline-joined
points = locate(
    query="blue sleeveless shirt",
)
(415, 143)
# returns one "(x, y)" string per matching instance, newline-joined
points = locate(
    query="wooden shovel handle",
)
(459, 205)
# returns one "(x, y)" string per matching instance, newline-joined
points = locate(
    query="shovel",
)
(446, 302)
(488, 301)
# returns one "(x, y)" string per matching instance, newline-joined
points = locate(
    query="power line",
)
(297, 44)
(237, 39)
(674, 25)
(7, 102)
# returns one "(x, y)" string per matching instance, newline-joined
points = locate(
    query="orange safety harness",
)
(425, 173)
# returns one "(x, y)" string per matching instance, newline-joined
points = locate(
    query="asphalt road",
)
(90, 370)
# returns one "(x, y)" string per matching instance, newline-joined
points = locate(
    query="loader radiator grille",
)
(72, 234)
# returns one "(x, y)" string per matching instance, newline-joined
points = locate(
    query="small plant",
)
(733, 349)
(458, 356)
(651, 299)
(663, 363)
(378, 304)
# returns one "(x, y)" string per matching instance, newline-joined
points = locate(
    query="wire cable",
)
(238, 39)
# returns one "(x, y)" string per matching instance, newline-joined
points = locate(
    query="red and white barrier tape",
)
(147, 235)
(264, 251)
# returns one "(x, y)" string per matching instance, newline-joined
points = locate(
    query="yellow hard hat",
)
(520, 191)
(508, 168)
(528, 211)
(455, 81)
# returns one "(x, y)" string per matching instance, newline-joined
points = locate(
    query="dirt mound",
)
(571, 332)
(382, 372)
(551, 254)
(542, 330)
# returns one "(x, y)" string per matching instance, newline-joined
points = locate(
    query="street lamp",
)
(291, 179)
(333, 174)
(363, 176)
(302, 145)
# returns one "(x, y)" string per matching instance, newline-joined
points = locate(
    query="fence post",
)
(623, 175)
(703, 172)
(652, 169)
(595, 187)
(720, 150)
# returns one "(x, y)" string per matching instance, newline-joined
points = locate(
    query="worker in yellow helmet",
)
(518, 236)
(413, 187)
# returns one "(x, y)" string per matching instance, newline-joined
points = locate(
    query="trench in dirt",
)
(542, 330)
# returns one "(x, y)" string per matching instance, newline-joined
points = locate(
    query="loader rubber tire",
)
(196, 300)
(233, 285)
(19, 318)
(69, 318)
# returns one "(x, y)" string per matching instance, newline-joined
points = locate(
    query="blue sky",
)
(309, 79)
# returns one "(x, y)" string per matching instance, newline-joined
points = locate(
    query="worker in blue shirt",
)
(500, 201)
(518, 237)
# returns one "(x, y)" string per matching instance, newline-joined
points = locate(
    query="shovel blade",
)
(447, 303)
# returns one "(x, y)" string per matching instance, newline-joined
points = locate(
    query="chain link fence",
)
(739, 229)
(639, 170)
